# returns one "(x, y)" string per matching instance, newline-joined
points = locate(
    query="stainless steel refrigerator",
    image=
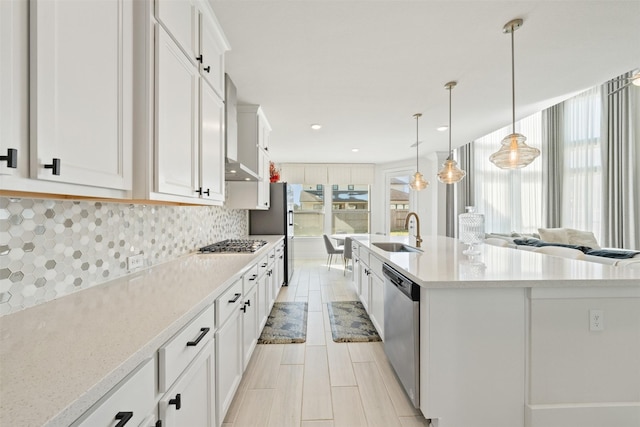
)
(278, 219)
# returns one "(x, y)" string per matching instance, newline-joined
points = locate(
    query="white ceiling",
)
(363, 68)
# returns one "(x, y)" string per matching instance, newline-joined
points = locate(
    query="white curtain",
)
(582, 166)
(511, 200)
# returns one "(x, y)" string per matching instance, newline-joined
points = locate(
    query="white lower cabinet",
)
(228, 348)
(369, 284)
(129, 403)
(376, 306)
(190, 402)
(250, 323)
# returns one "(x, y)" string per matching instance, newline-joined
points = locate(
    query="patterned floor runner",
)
(350, 322)
(287, 323)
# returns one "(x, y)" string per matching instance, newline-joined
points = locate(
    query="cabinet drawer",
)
(178, 352)
(375, 265)
(228, 302)
(251, 277)
(133, 399)
(263, 265)
(272, 255)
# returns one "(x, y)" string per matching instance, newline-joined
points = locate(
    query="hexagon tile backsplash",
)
(50, 248)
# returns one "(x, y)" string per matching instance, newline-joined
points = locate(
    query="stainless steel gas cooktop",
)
(234, 246)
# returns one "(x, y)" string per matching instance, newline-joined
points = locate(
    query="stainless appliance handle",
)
(290, 218)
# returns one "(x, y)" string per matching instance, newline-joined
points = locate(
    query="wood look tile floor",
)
(320, 383)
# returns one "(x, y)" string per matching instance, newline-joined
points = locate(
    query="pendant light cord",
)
(417, 143)
(513, 83)
(450, 153)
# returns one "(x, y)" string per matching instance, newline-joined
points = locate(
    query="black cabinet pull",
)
(176, 401)
(206, 192)
(199, 58)
(124, 418)
(236, 297)
(253, 277)
(202, 192)
(272, 256)
(248, 303)
(243, 308)
(199, 191)
(55, 165)
(264, 265)
(207, 69)
(204, 332)
(11, 158)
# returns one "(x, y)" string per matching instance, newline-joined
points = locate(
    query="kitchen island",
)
(506, 338)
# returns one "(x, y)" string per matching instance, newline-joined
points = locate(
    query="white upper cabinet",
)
(212, 145)
(177, 85)
(79, 60)
(181, 152)
(180, 18)
(81, 95)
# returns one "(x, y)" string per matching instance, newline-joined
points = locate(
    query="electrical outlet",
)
(135, 261)
(596, 320)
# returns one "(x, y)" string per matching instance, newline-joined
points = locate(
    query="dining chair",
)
(347, 254)
(331, 250)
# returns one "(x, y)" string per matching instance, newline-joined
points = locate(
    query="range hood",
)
(234, 169)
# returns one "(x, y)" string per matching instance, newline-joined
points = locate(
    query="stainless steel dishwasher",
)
(402, 330)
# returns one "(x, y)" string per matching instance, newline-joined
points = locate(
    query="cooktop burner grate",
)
(234, 246)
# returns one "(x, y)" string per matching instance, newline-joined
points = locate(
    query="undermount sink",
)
(395, 247)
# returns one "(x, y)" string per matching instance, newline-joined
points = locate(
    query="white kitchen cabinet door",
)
(363, 271)
(212, 51)
(177, 155)
(228, 362)
(180, 18)
(81, 92)
(211, 145)
(190, 402)
(14, 84)
(250, 323)
(376, 308)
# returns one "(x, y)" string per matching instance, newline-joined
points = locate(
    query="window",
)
(582, 169)
(350, 209)
(308, 208)
(399, 194)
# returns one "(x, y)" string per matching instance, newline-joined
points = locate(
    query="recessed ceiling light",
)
(316, 126)
(355, 150)
(442, 128)
(232, 171)
(247, 179)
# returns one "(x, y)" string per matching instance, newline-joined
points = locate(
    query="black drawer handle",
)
(55, 166)
(199, 58)
(264, 265)
(248, 302)
(176, 401)
(235, 298)
(253, 277)
(11, 158)
(204, 332)
(272, 256)
(124, 418)
(243, 308)
(207, 69)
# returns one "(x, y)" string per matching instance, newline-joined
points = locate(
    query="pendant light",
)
(514, 153)
(417, 181)
(450, 172)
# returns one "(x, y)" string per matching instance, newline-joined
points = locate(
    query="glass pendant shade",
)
(418, 182)
(514, 153)
(450, 172)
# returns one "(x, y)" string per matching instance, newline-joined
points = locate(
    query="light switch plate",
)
(135, 261)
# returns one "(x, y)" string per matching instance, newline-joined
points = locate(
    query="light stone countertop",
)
(443, 265)
(58, 358)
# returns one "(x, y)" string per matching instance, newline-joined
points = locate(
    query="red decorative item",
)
(274, 174)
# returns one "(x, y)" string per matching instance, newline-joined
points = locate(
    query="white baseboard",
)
(615, 414)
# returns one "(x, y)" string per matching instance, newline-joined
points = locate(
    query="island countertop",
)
(442, 264)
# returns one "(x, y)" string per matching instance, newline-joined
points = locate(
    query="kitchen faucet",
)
(406, 225)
